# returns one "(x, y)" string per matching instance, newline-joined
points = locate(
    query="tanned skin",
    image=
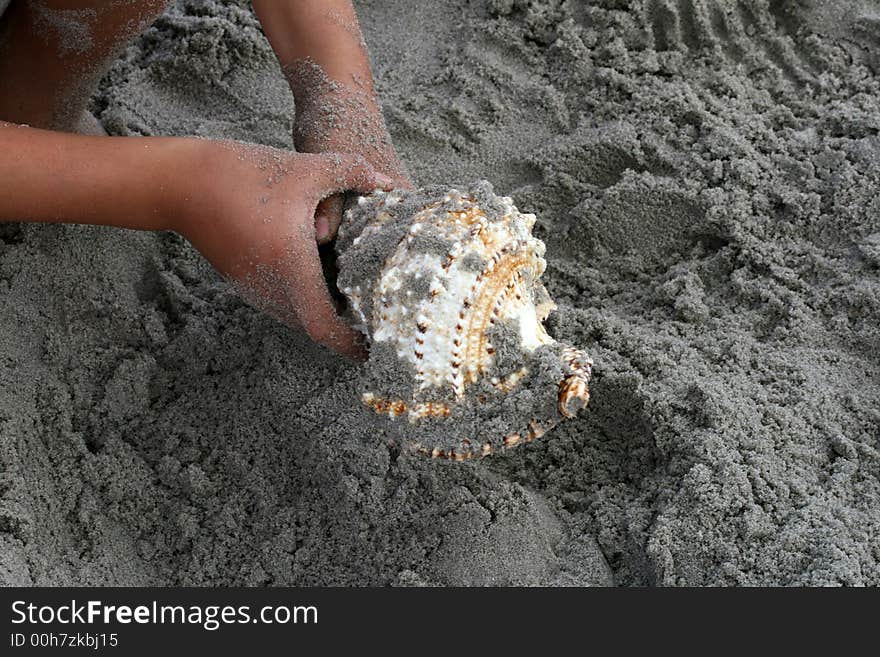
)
(256, 213)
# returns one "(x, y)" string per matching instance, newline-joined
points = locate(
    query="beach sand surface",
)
(705, 178)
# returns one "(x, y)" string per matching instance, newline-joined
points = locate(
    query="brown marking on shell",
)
(535, 431)
(509, 382)
(398, 407)
(574, 394)
(574, 390)
(471, 216)
(467, 452)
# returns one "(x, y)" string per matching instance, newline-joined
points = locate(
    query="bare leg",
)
(54, 52)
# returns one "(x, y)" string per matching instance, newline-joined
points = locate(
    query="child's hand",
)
(332, 117)
(249, 210)
(324, 57)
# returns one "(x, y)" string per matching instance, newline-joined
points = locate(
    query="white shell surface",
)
(452, 282)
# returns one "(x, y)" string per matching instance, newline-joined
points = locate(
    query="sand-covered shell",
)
(445, 285)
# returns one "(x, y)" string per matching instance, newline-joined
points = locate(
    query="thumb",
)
(328, 216)
(345, 173)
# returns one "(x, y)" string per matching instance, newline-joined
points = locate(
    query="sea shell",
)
(445, 285)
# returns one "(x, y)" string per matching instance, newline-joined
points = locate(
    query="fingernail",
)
(322, 228)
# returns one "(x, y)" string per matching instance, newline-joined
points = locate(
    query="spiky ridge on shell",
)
(444, 334)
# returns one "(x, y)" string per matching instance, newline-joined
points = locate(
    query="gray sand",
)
(705, 177)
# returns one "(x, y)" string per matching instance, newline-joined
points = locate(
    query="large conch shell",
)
(445, 285)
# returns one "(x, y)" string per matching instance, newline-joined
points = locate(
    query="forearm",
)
(325, 32)
(325, 60)
(57, 177)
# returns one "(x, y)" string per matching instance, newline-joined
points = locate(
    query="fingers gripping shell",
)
(446, 286)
